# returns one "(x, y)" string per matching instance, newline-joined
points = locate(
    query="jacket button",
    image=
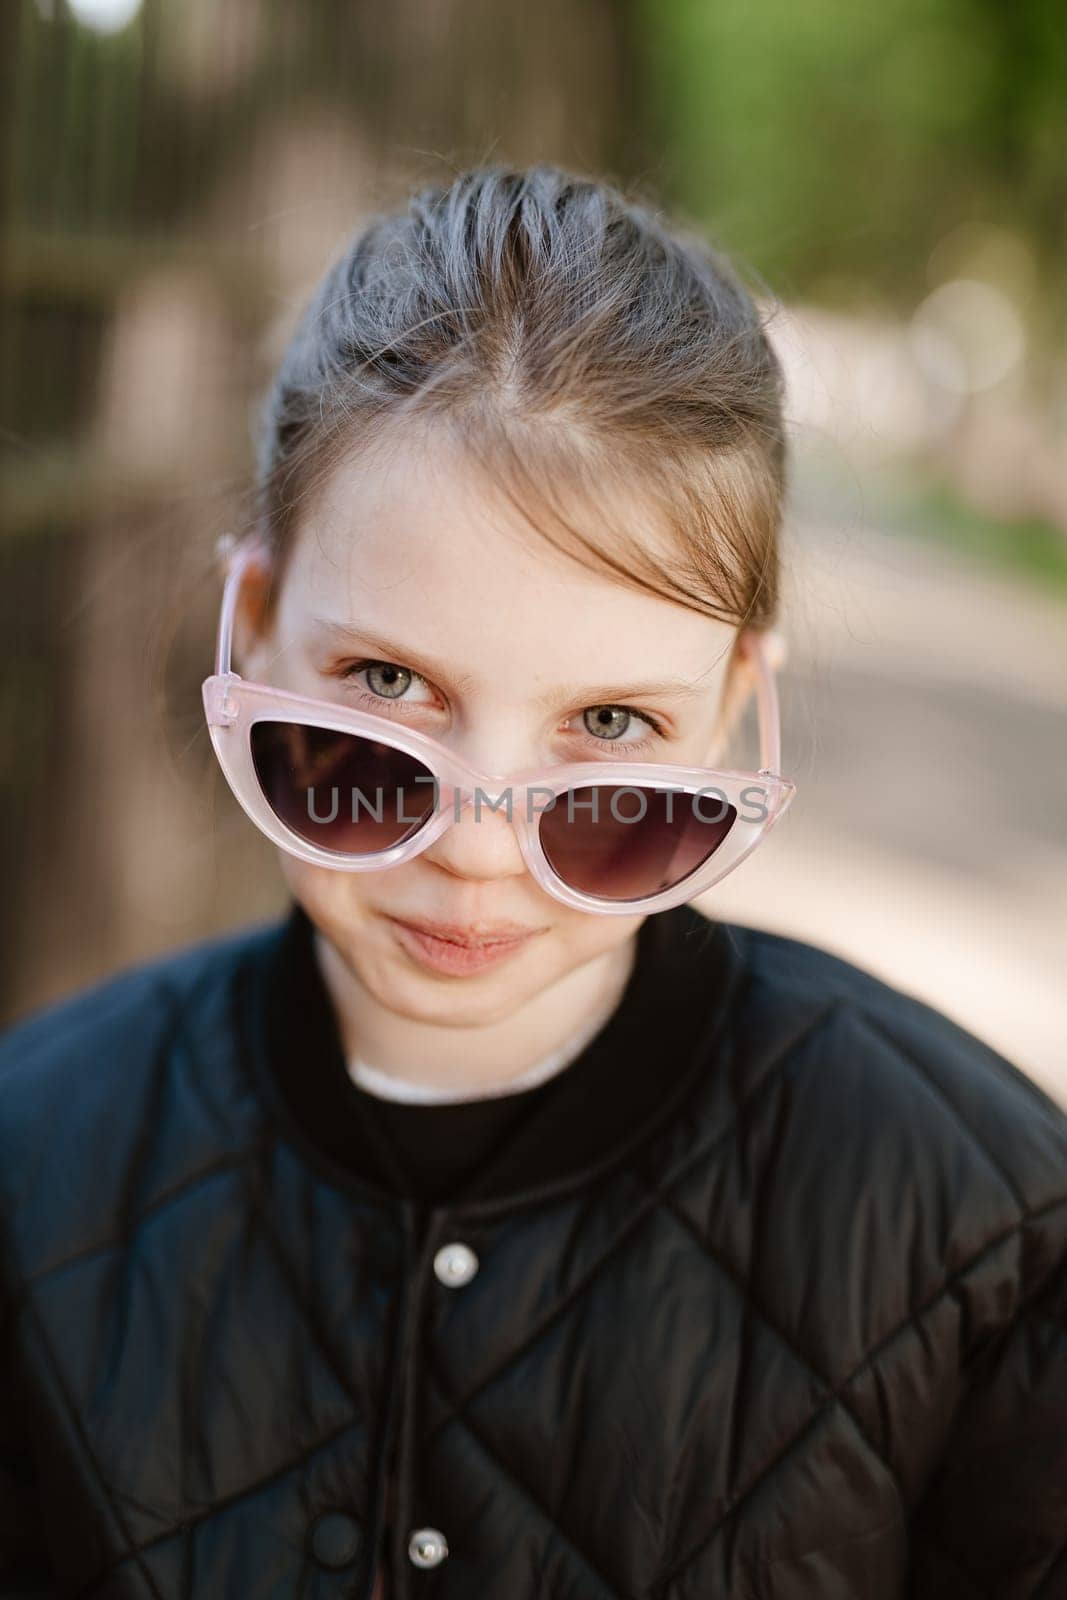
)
(455, 1265)
(334, 1540)
(427, 1547)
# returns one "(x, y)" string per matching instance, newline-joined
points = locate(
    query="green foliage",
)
(832, 144)
(1031, 548)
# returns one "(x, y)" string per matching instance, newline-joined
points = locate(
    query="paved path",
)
(925, 722)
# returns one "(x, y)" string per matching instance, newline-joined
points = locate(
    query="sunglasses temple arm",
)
(770, 738)
(237, 559)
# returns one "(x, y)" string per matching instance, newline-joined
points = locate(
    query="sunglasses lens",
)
(339, 791)
(620, 842)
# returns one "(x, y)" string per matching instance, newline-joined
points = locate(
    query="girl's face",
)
(412, 593)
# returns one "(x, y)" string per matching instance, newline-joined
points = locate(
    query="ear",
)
(741, 679)
(253, 613)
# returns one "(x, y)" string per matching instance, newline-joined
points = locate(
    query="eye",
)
(616, 728)
(390, 681)
(610, 724)
(387, 680)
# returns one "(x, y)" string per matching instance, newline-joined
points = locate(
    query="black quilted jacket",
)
(797, 1330)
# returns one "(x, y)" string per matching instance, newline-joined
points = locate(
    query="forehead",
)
(413, 540)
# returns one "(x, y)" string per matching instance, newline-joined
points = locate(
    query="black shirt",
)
(631, 1070)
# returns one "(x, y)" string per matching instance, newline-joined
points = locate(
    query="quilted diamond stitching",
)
(225, 1165)
(673, 1208)
(216, 1507)
(781, 1449)
(646, 1208)
(876, 1026)
(131, 1552)
(869, 1359)
(479, 1438)
(256, 1185)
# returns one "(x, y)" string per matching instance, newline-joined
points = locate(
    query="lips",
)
(477, 950)
(468, 936)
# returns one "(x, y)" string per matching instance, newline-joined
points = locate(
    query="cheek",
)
(584, 955)
(337, 902)
(344, 907)
(595, 935)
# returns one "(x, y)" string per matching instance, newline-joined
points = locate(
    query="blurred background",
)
(176, 175)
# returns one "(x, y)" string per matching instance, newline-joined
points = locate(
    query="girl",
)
(494, 1224)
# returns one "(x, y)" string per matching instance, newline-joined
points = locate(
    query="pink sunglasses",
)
(355, 792)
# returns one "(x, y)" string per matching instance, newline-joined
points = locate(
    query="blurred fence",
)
(171, 189)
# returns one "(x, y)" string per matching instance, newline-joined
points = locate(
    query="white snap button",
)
(427, 1547)
(455, 1264)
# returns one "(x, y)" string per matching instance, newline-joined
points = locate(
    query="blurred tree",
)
(833, 145)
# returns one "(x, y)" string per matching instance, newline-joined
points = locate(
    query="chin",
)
(448, 1005)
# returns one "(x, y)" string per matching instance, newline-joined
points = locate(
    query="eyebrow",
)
(351, 634)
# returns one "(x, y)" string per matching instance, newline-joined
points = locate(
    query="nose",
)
(482, 844)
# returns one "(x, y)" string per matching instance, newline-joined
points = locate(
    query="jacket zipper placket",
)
(391, 1577)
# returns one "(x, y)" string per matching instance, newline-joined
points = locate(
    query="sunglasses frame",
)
(233, 705)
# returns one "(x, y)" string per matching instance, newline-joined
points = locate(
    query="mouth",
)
(466, 935)
(460, 950)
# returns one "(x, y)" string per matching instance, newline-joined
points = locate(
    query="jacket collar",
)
(653, 1052)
